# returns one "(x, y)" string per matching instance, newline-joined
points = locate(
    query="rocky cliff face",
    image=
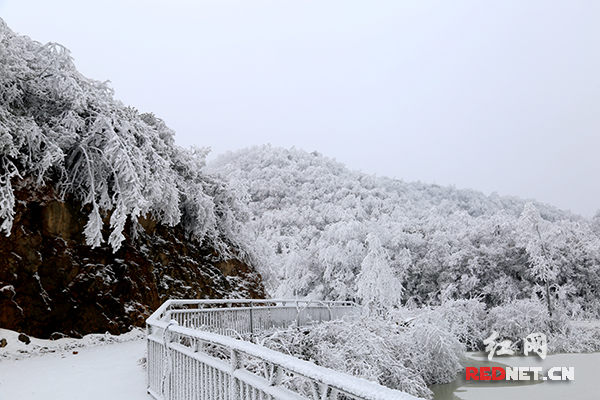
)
(52, 282)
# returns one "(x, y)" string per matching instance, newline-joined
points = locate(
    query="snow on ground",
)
(97, 367)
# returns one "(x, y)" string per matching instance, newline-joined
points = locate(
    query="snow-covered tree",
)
(537, 245)
(377, 284)
(60, 128)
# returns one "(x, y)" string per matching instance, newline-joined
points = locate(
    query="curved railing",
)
(193, 353)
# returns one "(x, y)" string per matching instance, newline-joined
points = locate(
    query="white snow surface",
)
(96, 367)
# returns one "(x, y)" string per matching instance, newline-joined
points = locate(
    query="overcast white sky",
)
(492, 95)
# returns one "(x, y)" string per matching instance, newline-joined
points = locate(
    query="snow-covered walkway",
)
(106, 372)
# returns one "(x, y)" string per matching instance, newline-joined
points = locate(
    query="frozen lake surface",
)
(585, 386)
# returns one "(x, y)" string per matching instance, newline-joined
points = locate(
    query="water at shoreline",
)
(585, 386)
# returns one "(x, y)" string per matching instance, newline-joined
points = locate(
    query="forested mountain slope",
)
(102, 216)
(327, 232)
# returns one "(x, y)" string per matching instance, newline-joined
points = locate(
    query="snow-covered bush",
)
(515, 320)
(575, 339)
(407, 358)
(464, 319)
(471, 323)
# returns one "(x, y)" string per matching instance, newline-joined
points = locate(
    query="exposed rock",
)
(51, 281)
(24, 338)
(3, 343)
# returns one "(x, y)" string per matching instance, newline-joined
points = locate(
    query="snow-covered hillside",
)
(327, 232)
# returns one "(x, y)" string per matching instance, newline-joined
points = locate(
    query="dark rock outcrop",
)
(51, 281)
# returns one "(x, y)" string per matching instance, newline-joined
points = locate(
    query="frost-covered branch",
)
(68, 131)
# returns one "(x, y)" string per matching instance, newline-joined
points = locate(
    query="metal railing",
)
(238, 317)
(191, 354)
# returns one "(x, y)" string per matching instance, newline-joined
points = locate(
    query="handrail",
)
(170, 303)
(186, 344)
(251, 316)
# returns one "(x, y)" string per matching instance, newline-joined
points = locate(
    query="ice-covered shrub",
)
(464, 319)
(575, 339)
(471, 324)
(434, 351)
(515, 320)
(407, 358)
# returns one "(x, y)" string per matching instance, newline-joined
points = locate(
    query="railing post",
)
(237, 362)
(251, 323)
(168, 366)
